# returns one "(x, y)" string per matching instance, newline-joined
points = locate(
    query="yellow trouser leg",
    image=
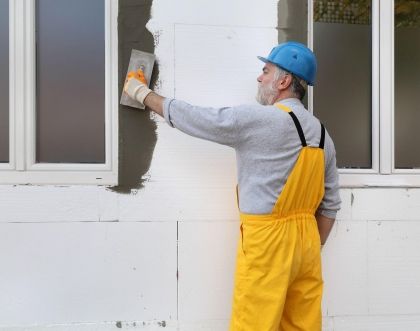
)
(267, 260)
(278, 277)
(302, 311)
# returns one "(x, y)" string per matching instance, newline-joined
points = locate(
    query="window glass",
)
(70, 86)
(293, 23)
(4, 81)
(293, 20)
(342, 91)
(407, 84)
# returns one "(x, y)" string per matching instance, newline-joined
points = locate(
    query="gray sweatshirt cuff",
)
(328, 213)
(166, 110)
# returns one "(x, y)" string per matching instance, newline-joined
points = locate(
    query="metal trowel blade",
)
(138, 60)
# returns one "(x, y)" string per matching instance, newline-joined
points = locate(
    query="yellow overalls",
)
(278, 281)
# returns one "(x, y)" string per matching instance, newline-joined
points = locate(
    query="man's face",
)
(267, 89)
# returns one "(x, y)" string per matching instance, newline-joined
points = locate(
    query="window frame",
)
(383, 172)
(22, 167)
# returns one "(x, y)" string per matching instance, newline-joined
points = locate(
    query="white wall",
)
(85, 258)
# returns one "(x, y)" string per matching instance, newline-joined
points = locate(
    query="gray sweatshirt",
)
(267, 146)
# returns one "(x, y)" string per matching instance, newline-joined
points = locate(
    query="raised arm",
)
(214, 124)
(155, 102)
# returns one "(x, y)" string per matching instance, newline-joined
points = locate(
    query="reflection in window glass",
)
(342, 91)
(293, 23)
(407, 84)
(4, 81)
(70, 81)
(292, 20)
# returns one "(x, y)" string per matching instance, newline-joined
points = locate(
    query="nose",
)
(259, 79)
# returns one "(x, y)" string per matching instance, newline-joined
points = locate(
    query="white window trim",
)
(22, 168)
(383, 172)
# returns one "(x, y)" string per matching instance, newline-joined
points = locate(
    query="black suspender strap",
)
(322, 141)
(299, 129)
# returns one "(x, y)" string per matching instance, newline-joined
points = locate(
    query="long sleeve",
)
(331, 202)
(214, 124)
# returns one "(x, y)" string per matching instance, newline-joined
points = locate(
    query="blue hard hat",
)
(295, 58)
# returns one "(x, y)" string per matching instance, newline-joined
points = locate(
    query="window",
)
(343, 44)
(407, 84)
(4, 81)
(366, 91)
(59, 102)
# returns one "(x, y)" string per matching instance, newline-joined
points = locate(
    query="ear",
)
(284, 82)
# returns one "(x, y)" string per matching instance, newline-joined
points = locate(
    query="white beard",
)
(266, 95)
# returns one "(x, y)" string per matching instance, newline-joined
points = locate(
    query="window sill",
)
(379, 180)
(58, 178)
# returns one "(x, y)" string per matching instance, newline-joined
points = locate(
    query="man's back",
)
(266, 144)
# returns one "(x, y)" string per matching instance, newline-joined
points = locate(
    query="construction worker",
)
(287, 189)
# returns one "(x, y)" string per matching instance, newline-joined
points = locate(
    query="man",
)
(287, 189)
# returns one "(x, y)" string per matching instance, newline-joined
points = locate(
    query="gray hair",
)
(298, 85)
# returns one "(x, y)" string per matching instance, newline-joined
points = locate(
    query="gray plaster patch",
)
(292, 18)
(137, 131)
(292, 23)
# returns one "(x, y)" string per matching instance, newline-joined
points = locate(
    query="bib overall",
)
(278, 281)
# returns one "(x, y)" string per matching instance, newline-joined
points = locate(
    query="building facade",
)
(111, 219)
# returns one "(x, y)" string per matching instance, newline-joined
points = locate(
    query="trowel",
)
(138, 60)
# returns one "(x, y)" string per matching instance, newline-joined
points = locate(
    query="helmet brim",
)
(263, 59)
